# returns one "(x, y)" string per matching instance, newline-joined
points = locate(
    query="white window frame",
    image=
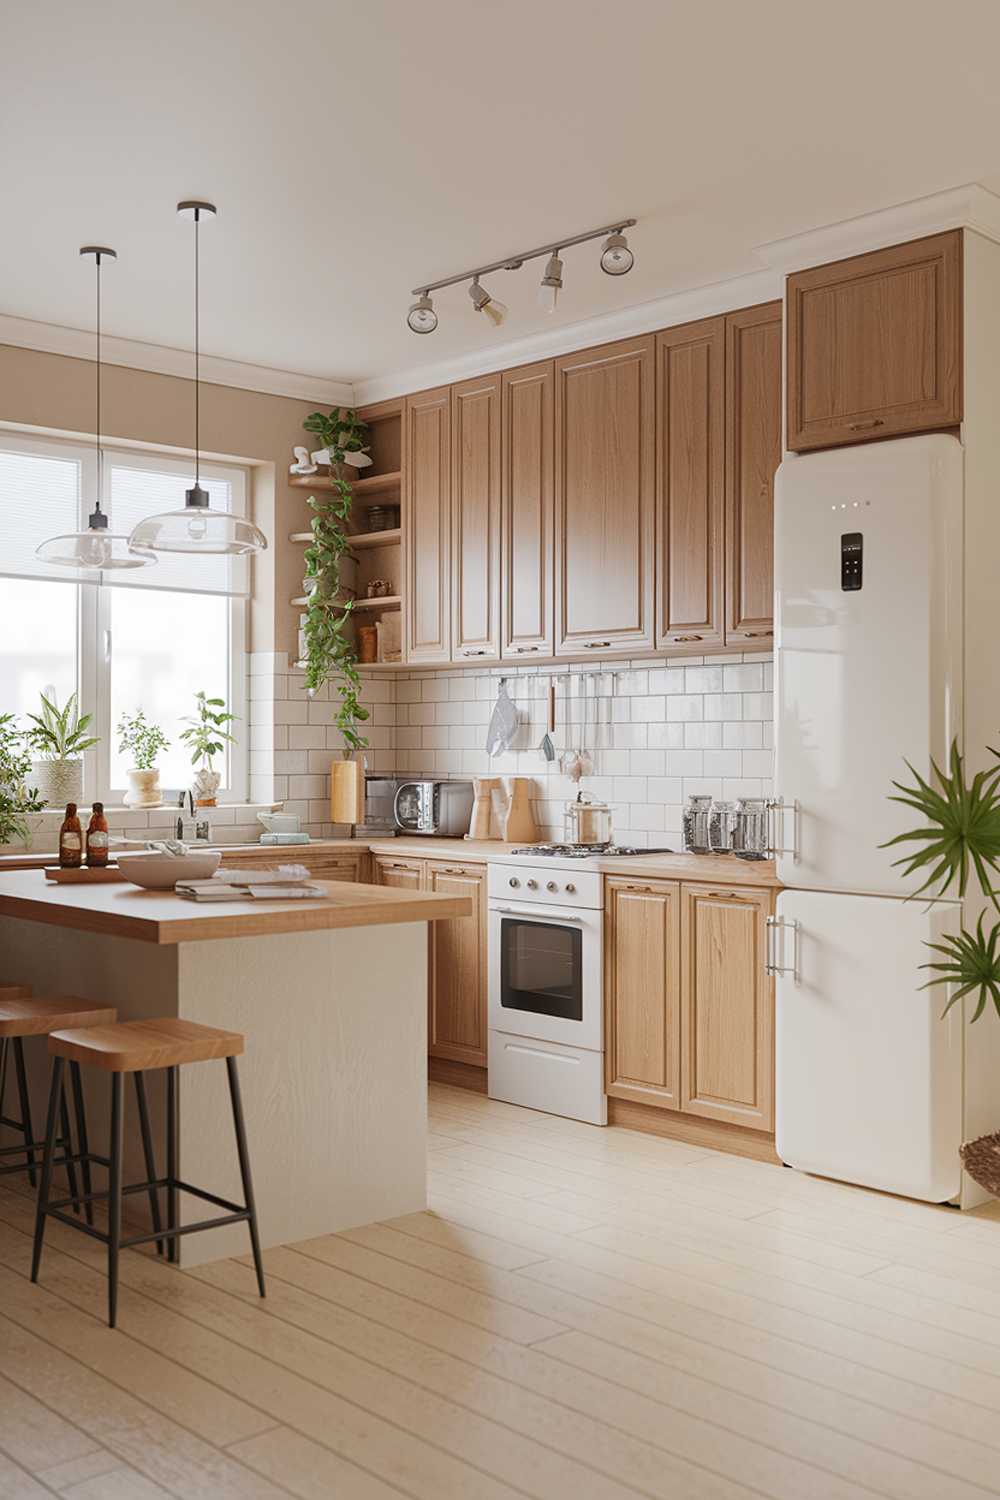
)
(94, 646)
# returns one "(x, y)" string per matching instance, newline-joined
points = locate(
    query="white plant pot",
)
(143, 788)
(59, 781)
(204, 787)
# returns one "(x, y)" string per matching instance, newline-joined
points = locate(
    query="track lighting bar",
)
(515, 262)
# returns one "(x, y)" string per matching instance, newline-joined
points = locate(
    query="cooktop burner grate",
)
(587, 851)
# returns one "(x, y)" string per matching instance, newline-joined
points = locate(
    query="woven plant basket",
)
(981, 1159)
(59, 781)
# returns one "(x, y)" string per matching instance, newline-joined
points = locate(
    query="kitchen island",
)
(331, 995)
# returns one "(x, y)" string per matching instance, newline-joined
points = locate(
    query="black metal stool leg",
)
(115, 1197)
(22, 1090)
(244, 1155)
(147, 1152)
(81, 1136)
(172, 1164)
(55, 1094)
(67, 1139)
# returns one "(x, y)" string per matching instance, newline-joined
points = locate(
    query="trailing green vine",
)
(329, 654)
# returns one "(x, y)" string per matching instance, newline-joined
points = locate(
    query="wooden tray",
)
(83, 875)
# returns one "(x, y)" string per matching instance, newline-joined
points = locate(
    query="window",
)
(151, 641)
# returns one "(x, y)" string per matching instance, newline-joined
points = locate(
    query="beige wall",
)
(57, 393)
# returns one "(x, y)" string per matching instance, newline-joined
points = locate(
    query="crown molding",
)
(158, 359)
(645, 317)
(970, 206)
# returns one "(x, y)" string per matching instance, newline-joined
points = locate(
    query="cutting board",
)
(84, 876)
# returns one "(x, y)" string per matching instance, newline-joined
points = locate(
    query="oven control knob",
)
(551, 886)
(571, 889)
(532, 885)
(513, 882)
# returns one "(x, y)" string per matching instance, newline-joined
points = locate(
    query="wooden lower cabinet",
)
(457, 994)
(727, 1007)
(689, 1010)
(341, 864)
(642, 991)
(457, 981)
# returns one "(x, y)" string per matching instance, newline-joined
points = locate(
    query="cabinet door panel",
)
(527, 485)
(727, 1005)
(753, 453)
(875, 344)
(405, 874)
(605, 497)
(457, 996)
(475, 519)
(689, 483)
(428, 525)
(643, 992)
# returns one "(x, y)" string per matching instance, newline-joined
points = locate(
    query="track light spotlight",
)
(421, 317)
(484, 303)
(616, 257)
(548, 292)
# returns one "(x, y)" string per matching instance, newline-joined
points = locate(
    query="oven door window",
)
(541, 968)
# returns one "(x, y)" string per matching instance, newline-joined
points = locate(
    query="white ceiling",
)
(358, 149)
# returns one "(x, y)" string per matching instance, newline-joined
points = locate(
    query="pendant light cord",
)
(100, 450)
(197, 353)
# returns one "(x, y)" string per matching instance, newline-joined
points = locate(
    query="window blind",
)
(136, 490)
(40, 496)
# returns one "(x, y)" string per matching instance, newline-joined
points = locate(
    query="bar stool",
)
(22, 1016)
(138, 1047)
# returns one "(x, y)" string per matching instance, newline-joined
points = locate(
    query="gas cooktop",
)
(586, 851)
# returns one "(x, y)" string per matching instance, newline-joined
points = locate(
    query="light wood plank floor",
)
(586, 1314)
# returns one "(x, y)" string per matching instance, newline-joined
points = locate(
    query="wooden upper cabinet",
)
(604, 420)
(428, 525)
(753, 453)
(727, 1007)
(457, 1020)
(642, 1005)
(875, 344)
(527, 493)
(690, 432)
(475, 519)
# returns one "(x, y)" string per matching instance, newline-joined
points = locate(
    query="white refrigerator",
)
(868, 675)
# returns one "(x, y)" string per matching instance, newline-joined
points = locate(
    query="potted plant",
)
(143, 741)
(206, 736)
(329, 652)
(60, 737)
(17, 798)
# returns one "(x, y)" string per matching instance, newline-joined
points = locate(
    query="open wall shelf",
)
(373, 484)
(361, 540)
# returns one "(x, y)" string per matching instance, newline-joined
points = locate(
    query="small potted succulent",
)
(17, 798)
(143, 741)
(207, 735)
(60, 737)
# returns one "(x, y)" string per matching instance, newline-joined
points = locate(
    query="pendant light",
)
(96, 549)
(197, 528)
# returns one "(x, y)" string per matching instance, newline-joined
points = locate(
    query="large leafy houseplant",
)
(329, 654)
(59, 735)
(17, 798)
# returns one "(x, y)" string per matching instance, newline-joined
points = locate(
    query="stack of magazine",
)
(286, 883)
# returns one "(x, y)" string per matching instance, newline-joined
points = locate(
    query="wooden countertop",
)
(34, 859)
(161, 917)
(461, 851)
(714, 869)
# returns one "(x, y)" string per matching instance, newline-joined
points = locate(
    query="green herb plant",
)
(60, 733)
(959, 840)
(207, 733)
(329, 654)
(140, 739)
(17, 799)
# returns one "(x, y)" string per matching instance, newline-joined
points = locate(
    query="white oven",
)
(546, 1015)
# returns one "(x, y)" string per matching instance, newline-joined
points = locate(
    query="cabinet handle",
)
(866, 426)
(772, 965)
(452, 870)
(639, 890)
(473, 653)
(775, 811)
(595, 645)
(753, 635)
(680, 640)
(523, 650)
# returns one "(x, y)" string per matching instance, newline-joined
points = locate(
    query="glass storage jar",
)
(696, 819)
(751, 828)
(722, 827)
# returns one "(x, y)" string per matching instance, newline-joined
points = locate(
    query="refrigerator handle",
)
(773, 960)
(776, 810)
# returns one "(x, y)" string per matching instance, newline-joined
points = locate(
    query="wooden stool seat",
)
(20, 1015)
(138, 1046)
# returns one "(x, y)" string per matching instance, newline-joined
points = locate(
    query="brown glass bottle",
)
(71, 840)
(97, 838)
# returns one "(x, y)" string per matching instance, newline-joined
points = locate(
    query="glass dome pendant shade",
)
(197, 528)
(96, 549)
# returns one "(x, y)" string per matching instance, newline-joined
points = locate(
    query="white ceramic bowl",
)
(161, 872)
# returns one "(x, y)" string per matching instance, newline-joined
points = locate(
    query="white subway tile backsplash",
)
(723, 706)
(666, 736)
(703, 736)
(686, 707)
(703, 679)
(742, 736)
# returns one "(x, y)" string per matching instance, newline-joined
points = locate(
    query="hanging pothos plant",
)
(329, 654)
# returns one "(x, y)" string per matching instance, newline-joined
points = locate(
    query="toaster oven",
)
(436, 808)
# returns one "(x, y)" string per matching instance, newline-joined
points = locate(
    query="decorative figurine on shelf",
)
(302, 464)
(359, 460)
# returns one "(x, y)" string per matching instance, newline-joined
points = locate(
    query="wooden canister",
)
(367, 643)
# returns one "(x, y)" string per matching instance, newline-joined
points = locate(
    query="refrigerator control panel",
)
(852, 545)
